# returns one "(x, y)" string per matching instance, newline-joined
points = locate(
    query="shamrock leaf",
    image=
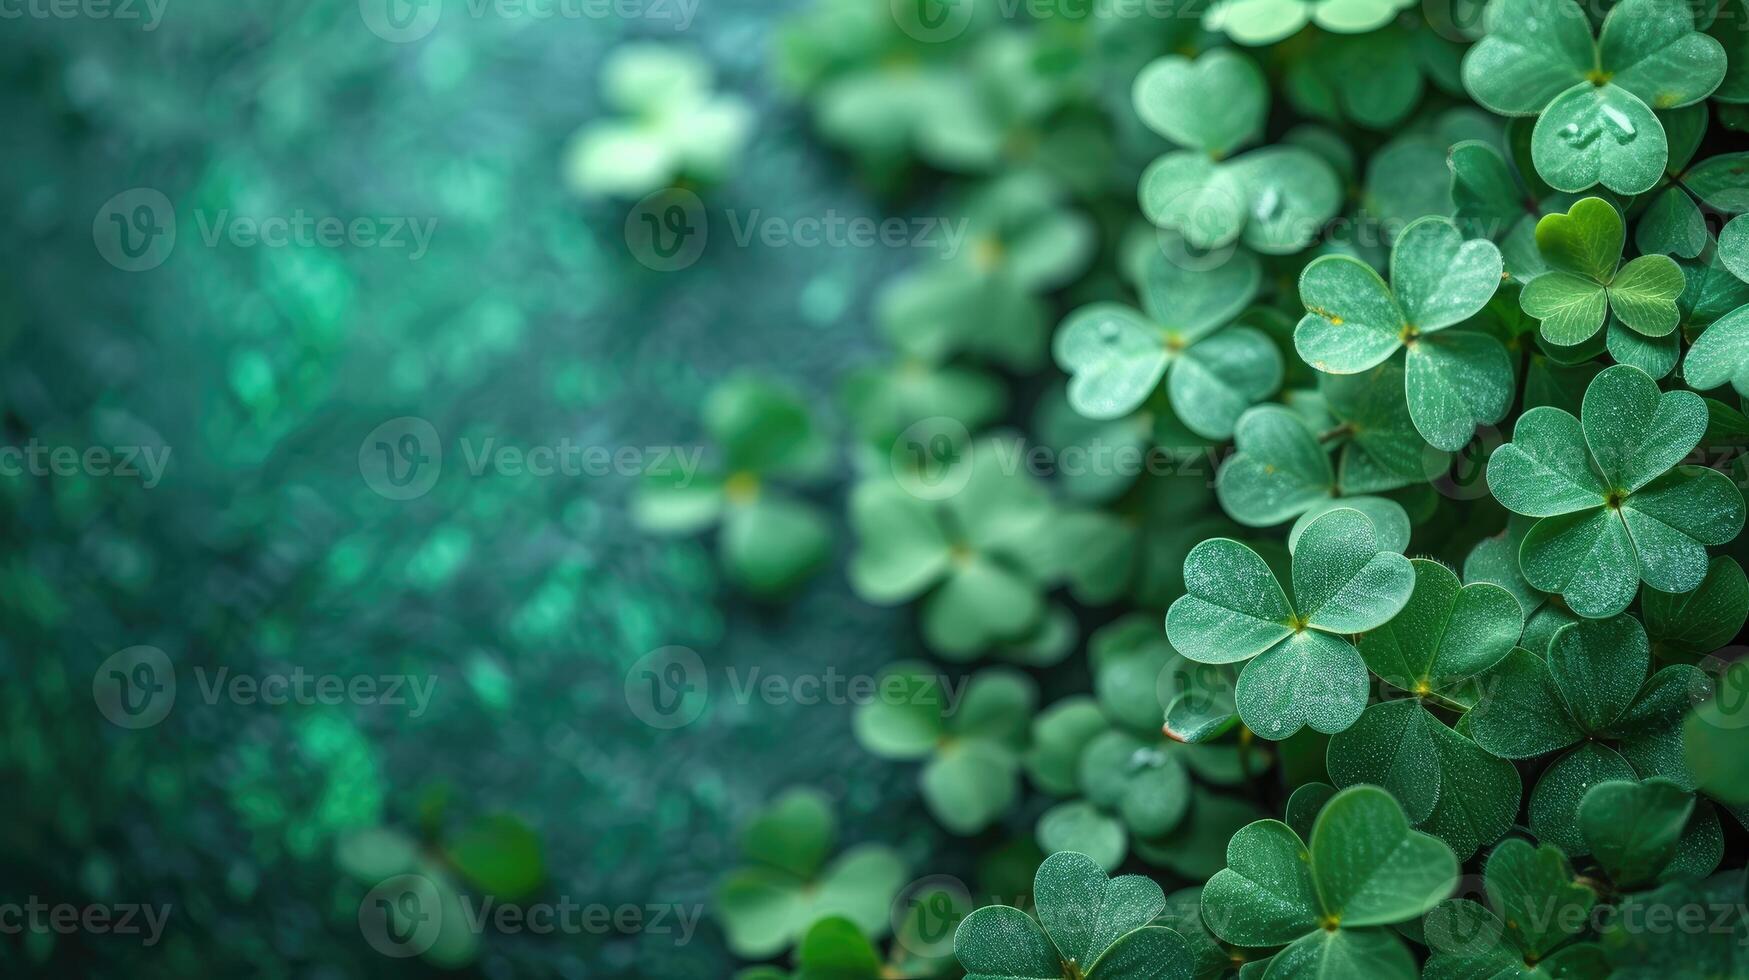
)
(1257, 22)
(1299, 670)
(1587, 280)
(1364, 869)
(1591, 690)
(1595, 96)
(1693, 624)
(673, 125)
(1088, 926)
(976, 552)
(1615, 507)
(1720, 355)
(1059, 735)
(1132, 787)
(768, 541)
(1536, 913)
(1216, 103)
(973, 743)
(884, 400)
(1381, 448)
(769, 904)
(1279, 471)
(1442, 639)
(1117, 356)
(1491, 200)
(1632, 828)
(1353, 321)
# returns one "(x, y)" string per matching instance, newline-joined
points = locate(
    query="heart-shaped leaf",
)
(1215, 103)
(1633, 828)
(1279, 471)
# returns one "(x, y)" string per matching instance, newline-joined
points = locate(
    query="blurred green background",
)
(262, 370)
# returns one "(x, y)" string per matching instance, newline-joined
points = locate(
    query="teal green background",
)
(263, 549)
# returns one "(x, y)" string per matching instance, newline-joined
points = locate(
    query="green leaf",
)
(1344, 953)
(1290, 193)
(500, 854)
(1536, 891)
(1650, 48)
(1644, 292)
(1215, 103)
(1546, 469)
(1572, 308)
(1585, 241)
(793, 833)
(1069, 886)
(1390, 523)
(1279, 471)
(1716, 738)
(1734, 247)
(1266, 895)
(1233, 608)
(1721, 355)
(1083, 827)
(1343, 582)
(1003, 943)
(1311, 678)
(1554, 803)
(1186, 192)
(1370, 867)
(1632, 828)
(1456, 381)
(1059, 734)
(1534, 50)
(1352, 322)
(1445, 634)
(772, 543)
(835, 948)
(1692, 624)
(1657, 356)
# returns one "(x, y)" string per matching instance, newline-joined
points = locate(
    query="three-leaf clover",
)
(1616, 508)
(972, 734)
(1089, 927)
(1595, 96)
(1587, 280)
(1591, 689)
(976, 552)
(1533, 931)
(768, 541)
(1329, 900)
(1273, 199)
(674, 125)
(1433, 649)
(1454, 381)
(1633, 828)
(1117, 355)
(1300, 669)
(787, 885)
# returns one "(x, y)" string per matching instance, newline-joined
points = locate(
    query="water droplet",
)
(1578, 138)
(1108, 331)
(1269, 205)
(1623, 126)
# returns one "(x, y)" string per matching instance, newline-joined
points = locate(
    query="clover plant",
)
(1385, 477)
